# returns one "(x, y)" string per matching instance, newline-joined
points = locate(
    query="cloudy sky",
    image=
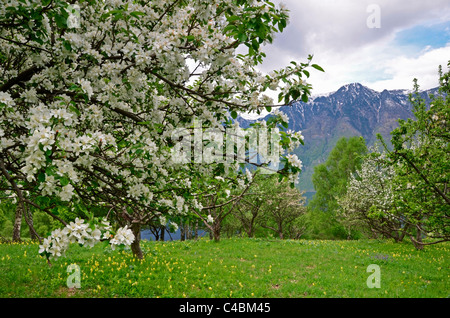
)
(382, 44)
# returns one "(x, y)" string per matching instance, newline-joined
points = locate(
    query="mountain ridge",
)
(352, 110)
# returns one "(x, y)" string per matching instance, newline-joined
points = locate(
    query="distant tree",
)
(247, 213)
(282, 207)
(369, 203)
(221, 199)
(272, 205)
(330, 182)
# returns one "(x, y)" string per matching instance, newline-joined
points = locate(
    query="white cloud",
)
(336, 32)
(402, 70)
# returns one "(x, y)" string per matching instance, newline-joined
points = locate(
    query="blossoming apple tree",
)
(369, 201)
(421, 159)
(91, 91)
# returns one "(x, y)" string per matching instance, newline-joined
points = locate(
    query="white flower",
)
(282, 115)
(66, 193)
(86, 87)
(45, 245)
(249, 175)
(294, 161)
(6, 99)
(123, 236)
(209, 219)
(180, 203)
(45, 137)
(96, 234)
(62, 113)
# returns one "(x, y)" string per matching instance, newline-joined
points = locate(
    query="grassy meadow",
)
(237, 267)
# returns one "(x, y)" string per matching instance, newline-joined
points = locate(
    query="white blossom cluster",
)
(282, 115)
(371, 187)
(294, 161)
(296, 139)
(84, 234)
(124, 236)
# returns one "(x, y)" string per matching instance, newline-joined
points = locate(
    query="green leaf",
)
(41, 177)
(228, 28)
(55, 210)
(234, 114)
(233, 18)
(280, 97)
(75, 110)
(136, 14)
(280, 177)
(317, 67)
(295, 94)
(305, 98)
(67, 45)
(242, 37)
(64, 181)
(61, 20)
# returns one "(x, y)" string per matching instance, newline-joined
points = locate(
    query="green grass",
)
(231, 268)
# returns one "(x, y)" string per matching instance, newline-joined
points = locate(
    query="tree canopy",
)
(91, 94)
(330, 182)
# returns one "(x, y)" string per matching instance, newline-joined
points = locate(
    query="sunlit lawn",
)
(231, 268)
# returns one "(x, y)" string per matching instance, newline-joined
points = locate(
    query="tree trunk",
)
(182, 232)
(136, 245)
(163, 232)
(403, 232)
(31, 225)
(417, 240)
(17, 224)
(216, 231)
(196, 230)
(280, 231)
